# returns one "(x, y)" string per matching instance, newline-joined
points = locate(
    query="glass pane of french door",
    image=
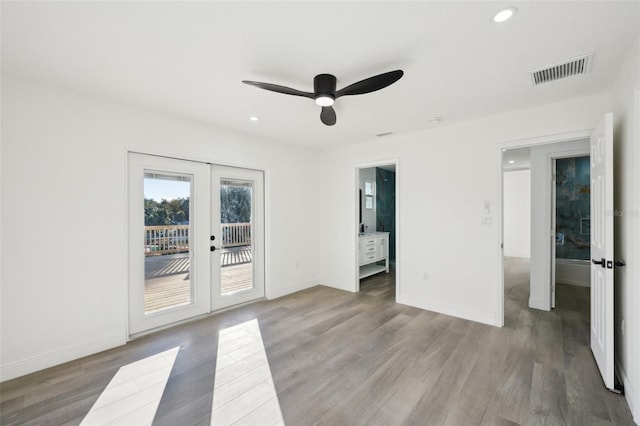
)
(167, 281)
(237, 209)
(236, 198)
(169, 258)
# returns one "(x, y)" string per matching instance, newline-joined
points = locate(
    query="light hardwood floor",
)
(338, 358)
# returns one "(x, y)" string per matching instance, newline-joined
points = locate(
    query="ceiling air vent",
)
(575, 66)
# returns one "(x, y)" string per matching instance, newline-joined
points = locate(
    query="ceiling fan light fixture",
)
(324, 90)
(504, 15)
(324, 100)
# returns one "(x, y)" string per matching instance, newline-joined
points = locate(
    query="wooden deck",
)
(167, 283)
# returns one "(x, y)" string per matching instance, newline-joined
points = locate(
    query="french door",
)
(196, 238)
(238, 228)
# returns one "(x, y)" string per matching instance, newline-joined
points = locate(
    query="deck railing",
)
(166, 239)
(171, 239)
(236, 234)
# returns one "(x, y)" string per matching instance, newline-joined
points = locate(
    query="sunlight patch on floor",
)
(133, 395)
(244, 393)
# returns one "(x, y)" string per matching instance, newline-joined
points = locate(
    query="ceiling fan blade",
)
(279, 89)
(328, 116)
(371, 84)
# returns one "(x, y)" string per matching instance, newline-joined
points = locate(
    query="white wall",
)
(64, 262)
(541, 194)
(517, 213)
(626, 116)
(440, 201)
(368, 215)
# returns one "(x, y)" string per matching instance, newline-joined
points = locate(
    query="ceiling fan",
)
(325, 93)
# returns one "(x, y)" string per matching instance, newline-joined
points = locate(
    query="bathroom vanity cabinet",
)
(373, 253)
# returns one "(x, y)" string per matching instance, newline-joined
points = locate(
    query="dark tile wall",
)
(386, 206)
(573, 194)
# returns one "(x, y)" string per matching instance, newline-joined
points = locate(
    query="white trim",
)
(499, 320)
(633, 398)
(266, 209)
(546, 139)
(125, 249)
(59, 356)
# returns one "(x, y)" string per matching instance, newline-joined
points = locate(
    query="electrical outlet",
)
(622, 326)
(425, 276)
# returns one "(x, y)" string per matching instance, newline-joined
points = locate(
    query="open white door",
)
(602, 248)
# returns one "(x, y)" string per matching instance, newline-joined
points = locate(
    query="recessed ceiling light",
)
(504, 14)
(436, 120)
(254, 118)
(511, 161)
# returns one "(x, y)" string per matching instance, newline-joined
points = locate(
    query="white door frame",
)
(368, 165)
(554, 225)
(520, 143)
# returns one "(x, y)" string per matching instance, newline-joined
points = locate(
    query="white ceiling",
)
(188, 58)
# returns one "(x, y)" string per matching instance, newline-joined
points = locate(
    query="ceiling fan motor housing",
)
(324, 84)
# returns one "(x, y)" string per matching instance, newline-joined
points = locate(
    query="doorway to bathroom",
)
(376, 228)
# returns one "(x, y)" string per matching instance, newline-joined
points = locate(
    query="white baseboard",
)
(274, 294)
(32, 364)
(629, 392)
(454, 311)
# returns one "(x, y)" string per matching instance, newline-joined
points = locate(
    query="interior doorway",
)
(599, 145)
(376, 223)
(547, 177)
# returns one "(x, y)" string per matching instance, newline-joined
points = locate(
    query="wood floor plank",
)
(342, 358)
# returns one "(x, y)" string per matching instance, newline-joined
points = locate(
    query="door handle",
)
(600, 262)
(213, 248)
(619, 263)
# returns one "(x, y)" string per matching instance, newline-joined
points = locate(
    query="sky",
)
(158, 189)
